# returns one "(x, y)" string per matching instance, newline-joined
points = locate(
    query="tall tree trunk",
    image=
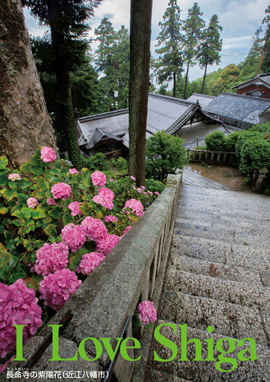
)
(204, 78)
(64, 101)
(185, 91)
(262, 55)
(24, 121)
(174, 84)
(140, 34)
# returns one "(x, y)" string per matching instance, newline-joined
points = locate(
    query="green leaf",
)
(133, 217)
(3, 210)
(22, 198)
(8, 194)
(25, 167)
(42, 183)
(68, 219)
(7, 236)
(36, 170)
(39, 213)
(26, 212)
(51, 231)
(19, 222)
(3, 162)
(98, 213)
(75, 259)
(4, 171)
(5, 256)
(24, 183)
(56, 213)
(87, 180)
(3, 180)
(57, 164)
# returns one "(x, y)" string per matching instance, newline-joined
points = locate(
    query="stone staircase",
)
(218, 275)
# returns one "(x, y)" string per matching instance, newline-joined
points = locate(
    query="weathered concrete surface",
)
(218, 275)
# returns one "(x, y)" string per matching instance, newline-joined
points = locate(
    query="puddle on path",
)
(227, 176)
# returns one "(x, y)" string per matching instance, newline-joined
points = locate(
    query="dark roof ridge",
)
(103, 115)
(246, 96)
(169, 98)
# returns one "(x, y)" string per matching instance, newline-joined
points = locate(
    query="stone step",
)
(200, 248)
(204, 231)
(234, 292)
(236, 222)
(228, 319)
(251, 214)
(223, 271)
(206, 371)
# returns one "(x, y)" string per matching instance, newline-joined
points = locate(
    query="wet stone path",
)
(218, 275)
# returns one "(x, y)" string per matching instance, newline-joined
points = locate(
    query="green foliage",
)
(253, 148)
(154, 185)
(113, 57)
(215, 141)
(24, 230)
(231, 141)
(170, 61)
(97, 162)
(164, 154)
(121, 164)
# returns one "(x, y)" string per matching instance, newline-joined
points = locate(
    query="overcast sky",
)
(239, 19)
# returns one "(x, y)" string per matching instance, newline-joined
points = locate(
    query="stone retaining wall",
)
(100, 306)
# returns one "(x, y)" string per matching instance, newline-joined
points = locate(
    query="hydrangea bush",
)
(57, 224)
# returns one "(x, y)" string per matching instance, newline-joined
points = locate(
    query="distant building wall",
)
(261, 88)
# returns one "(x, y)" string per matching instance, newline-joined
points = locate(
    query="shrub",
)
(164, 155)
(42, 243)
(97, 162)
(121, 164)
(215, 141)
(231, 140)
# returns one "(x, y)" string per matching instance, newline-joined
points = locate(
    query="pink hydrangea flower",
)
(32, 202)
(110, 218)
(50, 258)
(111, 180)
(61, 191)
(157, 193)
(105, 198)
(18, 306)
(135, 205)
(150, 192)
(142, 187)
(126, 230)
(132, 177)
(94, 228)
(134, 188)
(75, 208)
(73, 171)
(98, 179)
(139, 190)
(148, 203)
(147, 312)
(73, 236)
(47, 154)
(107, 243)
(51, 202)
(145, 193)
(14, 177)
(56, 288)
(89, 262)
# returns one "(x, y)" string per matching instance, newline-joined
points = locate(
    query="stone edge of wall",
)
(100, 306)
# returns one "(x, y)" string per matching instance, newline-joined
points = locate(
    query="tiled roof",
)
(238, 107)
